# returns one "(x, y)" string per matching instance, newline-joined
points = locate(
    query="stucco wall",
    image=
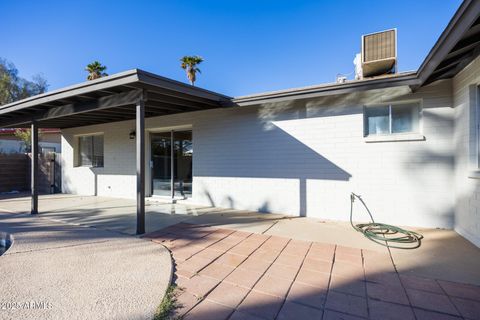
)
(299, 158)
(467, 199)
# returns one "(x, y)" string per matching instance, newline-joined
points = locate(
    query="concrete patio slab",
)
(309, 229)
(443, 255)
(112, 214)
(56, 270)
(442, 252)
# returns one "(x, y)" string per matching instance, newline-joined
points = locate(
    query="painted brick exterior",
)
(467, 189)
(298, 158)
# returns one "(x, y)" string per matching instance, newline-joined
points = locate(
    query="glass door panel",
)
(161, 163)
(182, 155)
(162, 153)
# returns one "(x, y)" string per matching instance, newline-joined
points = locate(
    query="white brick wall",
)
(467, 199)
(117, 178)
(298, 158)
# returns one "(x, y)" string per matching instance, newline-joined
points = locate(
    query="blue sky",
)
(248, 46)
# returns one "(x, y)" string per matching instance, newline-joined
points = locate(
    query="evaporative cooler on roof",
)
(379, 53)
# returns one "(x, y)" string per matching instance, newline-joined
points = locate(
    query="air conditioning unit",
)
(379, 53)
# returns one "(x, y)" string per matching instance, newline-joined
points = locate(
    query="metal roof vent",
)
(379, 53)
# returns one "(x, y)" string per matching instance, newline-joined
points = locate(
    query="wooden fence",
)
(15, 172)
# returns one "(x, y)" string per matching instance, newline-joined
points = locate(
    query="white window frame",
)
(477, 125)
(474, 132)
(77, 149)
(416, 135)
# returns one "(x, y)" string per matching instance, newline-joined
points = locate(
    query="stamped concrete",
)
(56, 270)
(230, 274)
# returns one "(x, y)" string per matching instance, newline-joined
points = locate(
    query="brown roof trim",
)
(126, 78)
(401, 79)
(459, 25)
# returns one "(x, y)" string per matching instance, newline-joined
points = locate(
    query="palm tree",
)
(189, 64)
(95, 70)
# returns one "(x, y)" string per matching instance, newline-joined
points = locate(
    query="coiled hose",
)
(385, 234)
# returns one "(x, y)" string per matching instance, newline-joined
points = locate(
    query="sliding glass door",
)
(161, 163)
(172, 155)
(182, 169)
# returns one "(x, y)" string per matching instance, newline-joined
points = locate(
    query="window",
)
(90, 151)
(392, 119)
(474, 102)
(477, 120)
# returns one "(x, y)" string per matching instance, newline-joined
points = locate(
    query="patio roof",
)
(133, 94)
(457, 46)
(111, 98)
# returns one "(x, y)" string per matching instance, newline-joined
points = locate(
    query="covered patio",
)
(117, 214)
(133, 94)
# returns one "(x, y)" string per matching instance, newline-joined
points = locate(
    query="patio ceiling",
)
(109, 99)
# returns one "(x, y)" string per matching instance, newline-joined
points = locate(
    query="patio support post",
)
(172, 163)
(140, 142)
(34, 167)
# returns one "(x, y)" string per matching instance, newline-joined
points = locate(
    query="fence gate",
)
(50, 178)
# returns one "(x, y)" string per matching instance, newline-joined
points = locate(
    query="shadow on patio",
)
(119, 214)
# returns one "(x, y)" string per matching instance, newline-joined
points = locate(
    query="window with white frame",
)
(477, 106)
(90, 151)
(394, 118)
(474, 97)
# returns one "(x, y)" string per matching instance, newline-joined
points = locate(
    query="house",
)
(406, 141)
(50, 140)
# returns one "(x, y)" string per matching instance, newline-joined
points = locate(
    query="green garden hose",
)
(385, 234)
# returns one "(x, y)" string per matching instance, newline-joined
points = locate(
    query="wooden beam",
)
(451, 70)
(140, 153)
(467, 41)
(165, 106)
(82, 96)
(175, 101)
(176, 95)
(34, 168)
(95, 116)
(152, 112)
(115, 100)
(88, 88)
(455, 56)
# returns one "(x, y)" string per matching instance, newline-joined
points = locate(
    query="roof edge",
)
(442, 45)
(80, 85)
(144, 73)
(407, 78)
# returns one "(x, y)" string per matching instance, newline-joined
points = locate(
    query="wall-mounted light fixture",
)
(132, 134)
